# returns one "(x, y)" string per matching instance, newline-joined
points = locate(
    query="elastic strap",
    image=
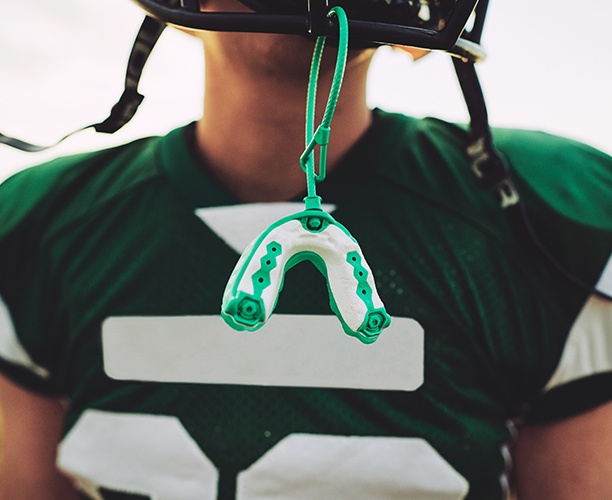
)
(492, 173)
(125, 109)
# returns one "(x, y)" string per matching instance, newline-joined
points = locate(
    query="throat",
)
(257, 158)
(252, 133)
(256, 162)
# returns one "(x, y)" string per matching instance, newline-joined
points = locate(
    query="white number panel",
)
(142, 454)
(312, 467)
(154, 455)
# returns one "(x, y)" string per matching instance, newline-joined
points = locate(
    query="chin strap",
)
(314, 235)
(491, 170)
(125, 109)
(488, 166)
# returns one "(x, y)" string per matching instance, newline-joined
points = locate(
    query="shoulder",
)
(426, 157)
(421, 134)
(68, 186)
(48, 214)
(551, 166)
(546, 163)
(573, 178)
(566, 187)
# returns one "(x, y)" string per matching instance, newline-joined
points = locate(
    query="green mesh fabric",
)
(114, 234)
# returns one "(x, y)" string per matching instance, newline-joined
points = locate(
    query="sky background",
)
(62, 66)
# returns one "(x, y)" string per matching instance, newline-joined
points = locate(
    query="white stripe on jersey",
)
(604, 284)
(11, 349)
(589, 346)
(289, 350)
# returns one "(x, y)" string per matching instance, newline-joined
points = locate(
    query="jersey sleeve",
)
(18, 268)
(567, 189)
(29, 299)
(583, 378)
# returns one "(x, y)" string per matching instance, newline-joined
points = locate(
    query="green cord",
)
(320, 137)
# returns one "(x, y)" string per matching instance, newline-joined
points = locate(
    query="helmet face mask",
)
(428, 24)
(425, 14)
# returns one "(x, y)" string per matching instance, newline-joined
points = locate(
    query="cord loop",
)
(320, 137)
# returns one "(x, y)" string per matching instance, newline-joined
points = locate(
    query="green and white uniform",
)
(112, 270)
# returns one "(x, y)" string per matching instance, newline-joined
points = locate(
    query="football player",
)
(491, 250)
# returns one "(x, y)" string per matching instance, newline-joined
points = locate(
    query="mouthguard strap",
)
(320, 137)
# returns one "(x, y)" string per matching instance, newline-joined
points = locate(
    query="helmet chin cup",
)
(252, 291)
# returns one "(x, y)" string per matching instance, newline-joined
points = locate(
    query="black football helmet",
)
(428, 24)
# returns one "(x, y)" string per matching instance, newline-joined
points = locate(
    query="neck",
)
(252, 132)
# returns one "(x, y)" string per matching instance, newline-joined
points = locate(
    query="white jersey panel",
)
(290, 350)
(589, 346)
(308, 467)
(11, 349)
(154, 455)
(141, 454)
(604, 284)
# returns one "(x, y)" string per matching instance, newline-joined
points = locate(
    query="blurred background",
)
(62, 66)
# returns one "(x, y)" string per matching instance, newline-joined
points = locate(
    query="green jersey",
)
(112, 271)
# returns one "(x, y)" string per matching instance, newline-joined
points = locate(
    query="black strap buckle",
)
(491, 171)
(318, 22)
(124, 110)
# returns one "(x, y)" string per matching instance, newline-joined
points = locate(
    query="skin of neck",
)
(251, 134)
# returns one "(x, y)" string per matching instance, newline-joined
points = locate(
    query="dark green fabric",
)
(114, 233)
